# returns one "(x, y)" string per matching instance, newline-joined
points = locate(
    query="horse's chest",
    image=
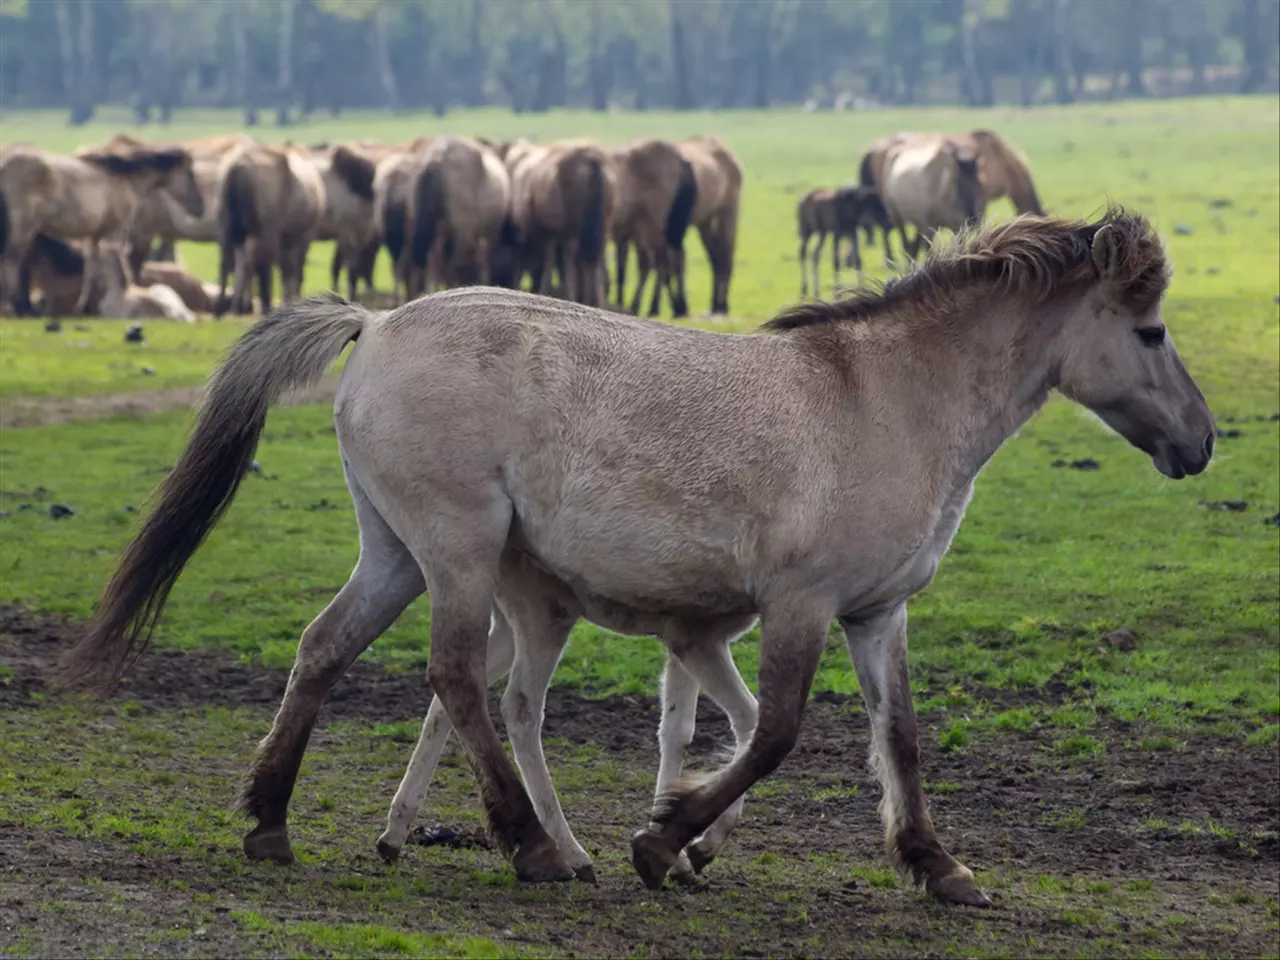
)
(916, 568)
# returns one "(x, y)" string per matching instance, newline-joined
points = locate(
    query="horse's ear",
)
(1106, 250)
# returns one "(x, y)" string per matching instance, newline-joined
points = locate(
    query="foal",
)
(481, 428)
(840, 213)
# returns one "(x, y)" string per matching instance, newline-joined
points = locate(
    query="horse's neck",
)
(979, 378)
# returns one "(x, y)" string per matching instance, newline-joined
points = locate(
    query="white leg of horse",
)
(86, 281)
(675, 733)
(537, 654)
(879, 650)
(431, 743)
(714, 671)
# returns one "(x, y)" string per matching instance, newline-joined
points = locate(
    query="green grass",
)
(1046, 562)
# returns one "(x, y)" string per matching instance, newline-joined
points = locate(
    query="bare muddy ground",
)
(39, 411)
(1131, 851)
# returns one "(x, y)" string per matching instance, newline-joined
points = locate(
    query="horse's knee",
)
(771, 742)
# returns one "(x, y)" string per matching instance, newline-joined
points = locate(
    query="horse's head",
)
(1119, 361)
(178, 178)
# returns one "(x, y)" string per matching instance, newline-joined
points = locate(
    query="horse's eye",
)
(1151, 336)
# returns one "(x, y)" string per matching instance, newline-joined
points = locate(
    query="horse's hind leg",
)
(385, 580)
(461, 563)
(431, 743)
(879, 650)
(542, 611)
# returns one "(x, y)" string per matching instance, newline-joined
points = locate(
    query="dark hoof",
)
(388, 853)
(958, 887)
(699, 857)
(269, 843)
(651, 857)
(586, 873)
(541, 863)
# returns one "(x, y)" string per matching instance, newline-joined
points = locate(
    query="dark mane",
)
(355, 170)
(1028, 256)
(140, 160)
(65, 259)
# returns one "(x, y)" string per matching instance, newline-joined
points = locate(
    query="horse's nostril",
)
(1208, 446)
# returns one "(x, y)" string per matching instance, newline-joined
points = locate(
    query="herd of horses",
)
(928, 181)
(450, 211)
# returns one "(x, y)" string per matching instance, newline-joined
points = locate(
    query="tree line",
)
(289, 58)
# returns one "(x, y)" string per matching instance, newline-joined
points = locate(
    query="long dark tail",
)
(681, 211)
(429, 191)
(591, 237)
(239, 208)
(292, 347)
(866, 172)
(393, 217)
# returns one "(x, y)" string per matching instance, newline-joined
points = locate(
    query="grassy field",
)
(1008, 663)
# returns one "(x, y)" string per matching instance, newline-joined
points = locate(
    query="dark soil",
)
(1011, 804)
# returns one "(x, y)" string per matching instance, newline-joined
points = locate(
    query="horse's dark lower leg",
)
(621, 251)
(790, 647)
(383, 583)
(335, 271)
(263, 269)
(675, 282)
(879, 650)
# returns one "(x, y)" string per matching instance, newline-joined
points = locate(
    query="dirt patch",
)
(1197, 821)
(41, 411)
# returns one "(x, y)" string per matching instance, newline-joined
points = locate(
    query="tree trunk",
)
(764, 56)
(1258, 42)
(284, 75)
(1060, 36)
(243, 80)
(597, 69)
(146, 66)
(682, 95)
(1135, 87)
(977, 76)
(475, 91)
(380, 38)
(84, 97)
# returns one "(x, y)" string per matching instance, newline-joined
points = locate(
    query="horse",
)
(392, 180)
(348, 174)
(92, 195)
(56, 268)
(838, 212)
(718, 174)
(126, 300)
(657, 191)
(1003, 170)
(562, 206)
(460, 197)
(158, 217)
(271, 201)
(199, 297)
(931, 185)
(479, 428)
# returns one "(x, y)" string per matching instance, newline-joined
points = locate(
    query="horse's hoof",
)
(388, 852)
(652, 858)
(541, 863)
(269, 843)
(699, 856)
(958, 886)
(586, 873)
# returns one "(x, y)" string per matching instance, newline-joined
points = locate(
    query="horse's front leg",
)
(879, 649)
(86, 280)
(791, 644)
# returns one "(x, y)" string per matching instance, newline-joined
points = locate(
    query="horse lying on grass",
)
(546, 455)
